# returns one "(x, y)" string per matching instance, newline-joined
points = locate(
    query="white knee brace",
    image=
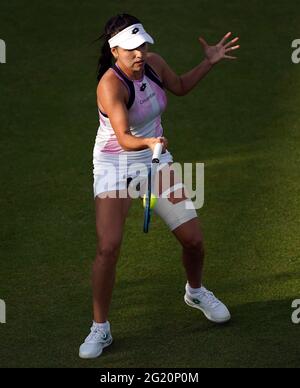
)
(176, 214)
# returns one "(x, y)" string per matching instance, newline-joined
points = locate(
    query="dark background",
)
(242, 121)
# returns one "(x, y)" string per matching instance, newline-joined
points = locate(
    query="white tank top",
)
(147, 101)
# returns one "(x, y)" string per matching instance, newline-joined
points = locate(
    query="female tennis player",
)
(131, 98)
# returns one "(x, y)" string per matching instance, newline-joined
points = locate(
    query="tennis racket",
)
(150, 187)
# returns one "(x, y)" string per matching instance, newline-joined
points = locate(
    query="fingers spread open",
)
(231, 42)
(203, 41)
(229, 57)
(232, 48)
(224, 38)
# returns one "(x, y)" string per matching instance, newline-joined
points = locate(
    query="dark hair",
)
(112, 27)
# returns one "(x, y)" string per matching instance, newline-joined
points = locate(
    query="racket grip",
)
(157, 152)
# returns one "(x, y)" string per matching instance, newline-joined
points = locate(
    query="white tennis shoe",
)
(212, 308)
(95, 342)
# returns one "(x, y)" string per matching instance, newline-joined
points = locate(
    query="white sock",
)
(103, 326)
(192, 291)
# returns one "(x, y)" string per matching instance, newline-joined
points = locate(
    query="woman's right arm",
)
(112, 96)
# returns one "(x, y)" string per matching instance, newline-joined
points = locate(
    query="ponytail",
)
(105, 60)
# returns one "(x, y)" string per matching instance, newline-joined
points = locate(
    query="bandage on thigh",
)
(167, 192)
(175, 214)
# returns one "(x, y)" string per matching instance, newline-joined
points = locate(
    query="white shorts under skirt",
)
(112, 171)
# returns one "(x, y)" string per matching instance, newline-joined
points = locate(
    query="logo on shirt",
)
(135, 30)
(147, 98)
(143, 87)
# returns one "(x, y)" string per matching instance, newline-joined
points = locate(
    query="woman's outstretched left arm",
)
(181, 85)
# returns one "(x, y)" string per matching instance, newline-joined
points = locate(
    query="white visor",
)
(131, 37)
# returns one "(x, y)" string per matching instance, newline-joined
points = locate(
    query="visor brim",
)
(136, 41)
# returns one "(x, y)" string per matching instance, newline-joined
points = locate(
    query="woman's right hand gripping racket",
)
(151, 185)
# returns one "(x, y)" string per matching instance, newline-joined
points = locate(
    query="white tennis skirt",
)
(113, 172)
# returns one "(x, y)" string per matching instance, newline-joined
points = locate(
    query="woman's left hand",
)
(215, 53)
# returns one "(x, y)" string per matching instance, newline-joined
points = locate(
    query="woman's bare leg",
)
(110, 219)
(190, 236)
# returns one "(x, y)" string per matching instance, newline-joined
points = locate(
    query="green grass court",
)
(242, 121)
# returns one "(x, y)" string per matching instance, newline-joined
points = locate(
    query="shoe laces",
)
(97, 335)
(209, 297)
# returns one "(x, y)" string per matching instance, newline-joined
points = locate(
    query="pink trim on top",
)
(112, 146)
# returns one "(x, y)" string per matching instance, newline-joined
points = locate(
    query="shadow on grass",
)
(260, 334)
